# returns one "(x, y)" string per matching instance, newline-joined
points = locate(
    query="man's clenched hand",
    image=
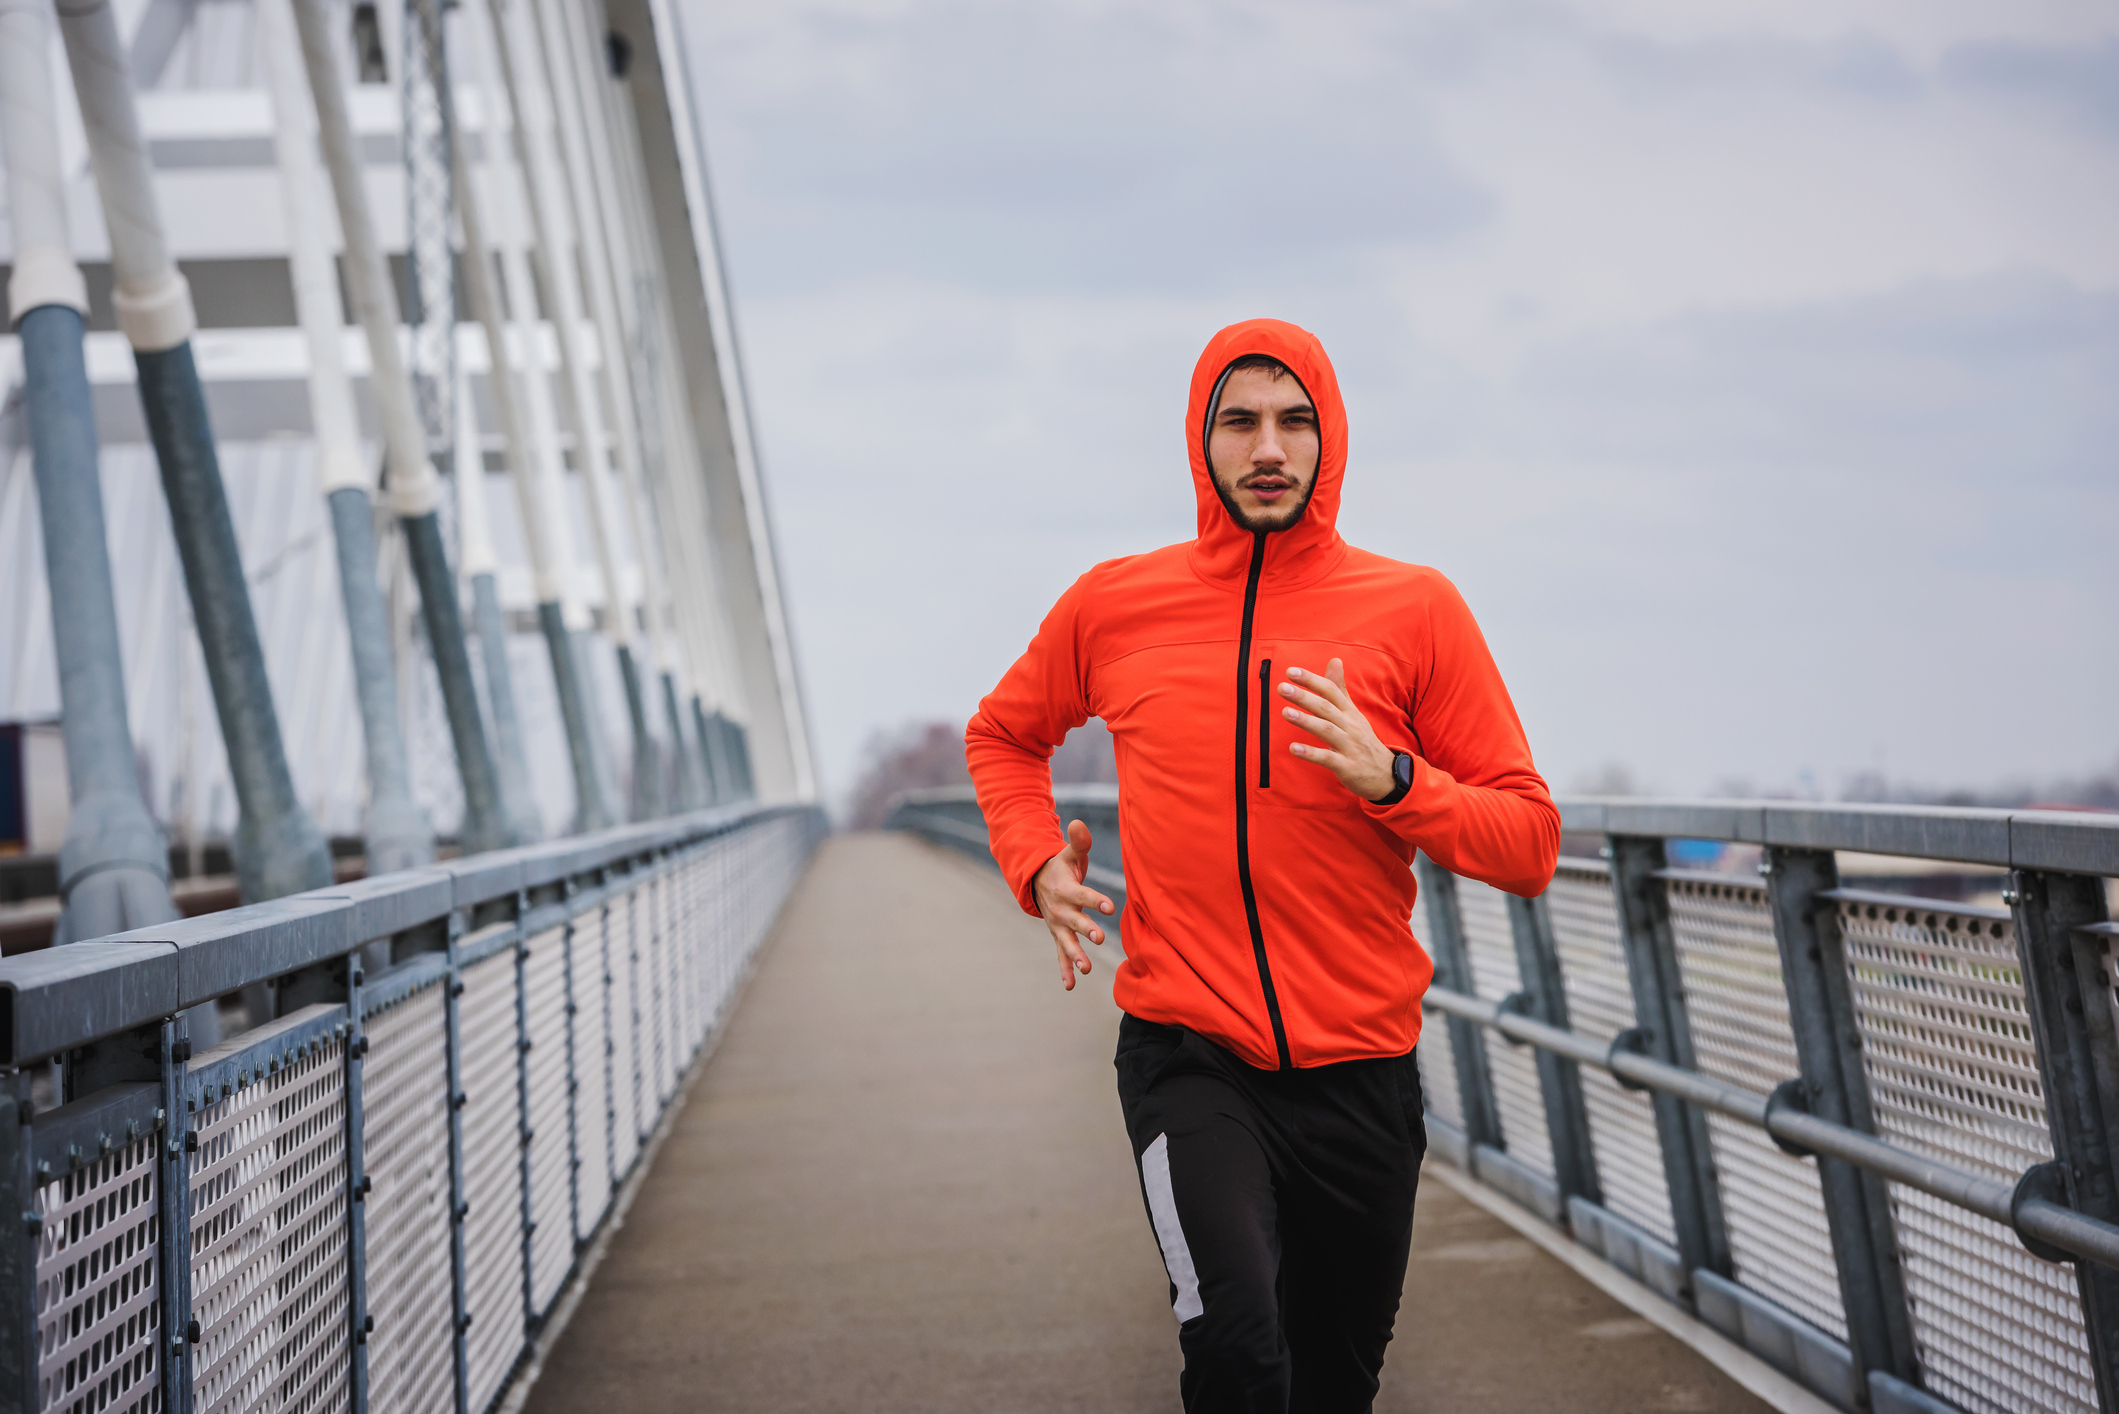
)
(1063, 900)
(1350, 750)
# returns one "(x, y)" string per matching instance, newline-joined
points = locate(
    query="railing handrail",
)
(58, 998)
(2068, 841)
(2008, 1204)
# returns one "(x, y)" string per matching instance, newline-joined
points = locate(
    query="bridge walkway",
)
(901, 1183)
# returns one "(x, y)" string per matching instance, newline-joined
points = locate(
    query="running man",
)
(1272, 983)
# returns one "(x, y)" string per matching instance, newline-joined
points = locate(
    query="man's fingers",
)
(1323, 728)
(1330, 684)
(1077, 921)
(1072, 959)
(1331, 760)
(1316, 703)
(1082, 896)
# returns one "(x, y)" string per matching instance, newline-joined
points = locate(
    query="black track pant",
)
(1283, 1203)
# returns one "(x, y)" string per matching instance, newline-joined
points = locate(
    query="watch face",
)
(1402, 769)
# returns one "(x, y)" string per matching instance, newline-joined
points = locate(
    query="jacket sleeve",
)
(1478, 806)
(1009, 745)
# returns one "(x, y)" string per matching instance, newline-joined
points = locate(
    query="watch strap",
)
(1402, 775)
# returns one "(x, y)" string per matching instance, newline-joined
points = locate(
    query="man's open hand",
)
(1350, 750)
(1064, 900)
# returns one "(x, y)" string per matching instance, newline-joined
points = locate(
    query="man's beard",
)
(1275, 519)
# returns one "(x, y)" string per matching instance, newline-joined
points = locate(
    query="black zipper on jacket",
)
(1265, 725)
(1243, 792)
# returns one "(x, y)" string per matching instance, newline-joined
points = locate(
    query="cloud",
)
(1749, 370)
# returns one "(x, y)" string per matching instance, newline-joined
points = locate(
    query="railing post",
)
(1835, 1086)
(1559, 1079)
(641, 1099)
(2069, 990)
(1664, 1031)
(1467, 1044)
(357, 1184)
(525, 1134)
(459, 1299)
(610, 1040)
(173, 1178)
(567, 890)
(18, 1247)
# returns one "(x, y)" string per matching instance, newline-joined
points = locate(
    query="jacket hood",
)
(1311, 546)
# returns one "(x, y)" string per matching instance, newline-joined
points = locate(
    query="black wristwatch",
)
(1401, 777)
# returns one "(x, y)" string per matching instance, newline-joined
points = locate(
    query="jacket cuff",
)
(1421, 805)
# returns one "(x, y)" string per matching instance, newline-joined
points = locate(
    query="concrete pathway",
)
(902, 1184)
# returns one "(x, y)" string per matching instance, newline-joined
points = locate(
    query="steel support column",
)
(710, 769)
(396, 830)
(647, 769)
(684, 769)
(1664, 1031)
(1835, 1087)
(278, 847)
(1467, 1041)
(2069, 989)
(1559, 1079)
(114, 863)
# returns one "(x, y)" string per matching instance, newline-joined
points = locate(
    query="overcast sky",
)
(1753, 369)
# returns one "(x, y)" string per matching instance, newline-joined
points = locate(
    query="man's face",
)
(1262, 449)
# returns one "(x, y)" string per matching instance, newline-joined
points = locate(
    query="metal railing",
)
(1870, 1136)
(375, 1200)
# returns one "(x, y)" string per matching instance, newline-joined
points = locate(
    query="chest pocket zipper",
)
(1265, 725)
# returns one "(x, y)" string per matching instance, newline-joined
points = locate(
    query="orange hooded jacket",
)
(1267, 907)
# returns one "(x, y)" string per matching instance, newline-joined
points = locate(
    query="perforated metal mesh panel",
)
(405, 1152)
(551, 1198)
(654, 945)
(1953, 1072)
(1771, 1202)
(492, 1175)
(1491, 941)
(592, 1076)
(268, 1239)
(620, 933)
(1438, 1072)
(1438, 1062)
(1629, 1154)
(721, 967)
(98, 1286)
(689, 956)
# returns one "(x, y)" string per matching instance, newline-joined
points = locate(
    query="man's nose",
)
(1269, 452)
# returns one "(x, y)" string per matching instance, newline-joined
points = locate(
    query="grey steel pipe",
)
(113, 862)
(647, 768)
(685, 784)
(591, 811)
(414, 488)
(481, 566)
(396, 830)
(2039, 1218)
(709, 777)
(278, 847)
(531, 97)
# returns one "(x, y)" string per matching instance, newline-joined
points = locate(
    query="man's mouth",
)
(1268, 488)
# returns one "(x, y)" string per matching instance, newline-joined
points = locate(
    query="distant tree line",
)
(917, 755)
